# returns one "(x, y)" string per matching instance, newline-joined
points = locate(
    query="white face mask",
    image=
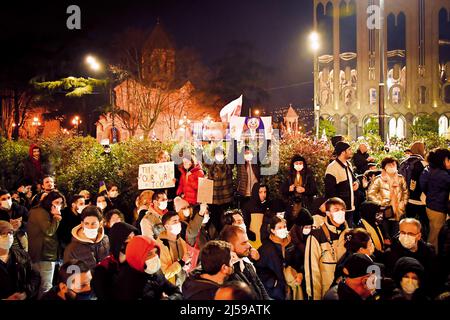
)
(298, 167)
(186, 212)
(248, 157)
(6, 204)
(101, 205)
(122, 257)
(205, 219)
(407, 241)
(371, 283)
(242, 226)
(174, 228)
(152, 265)
(306, 230)
(282, 233)
(81, 208)
(113, 194)
(162, 205)
(6, 243)
(280, 215)
(338, 217)
(58, 208)
(90, 233)
(409, 285)
(391, 170)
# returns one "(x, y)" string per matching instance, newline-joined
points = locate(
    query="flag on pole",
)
(102, 187)
(231, 109)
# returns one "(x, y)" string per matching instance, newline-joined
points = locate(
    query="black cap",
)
(358, 265)
(340, 147)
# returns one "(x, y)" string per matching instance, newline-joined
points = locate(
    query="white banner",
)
(156, 175)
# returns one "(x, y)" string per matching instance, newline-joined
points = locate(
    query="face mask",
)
(174, 228)
(248, 157)
(391, 170)
(80, 209)
(87, 295)
(6, 243)
(101, 205)
(371, 283)
(219, 158)
(409, 285)
(152, 265)
(280, 215)
(162, 205)
(407, 241)
(186, 212)
(58, 208)
(113, 194)
(205, 219)
(242, 226)
(306, 230)
(298, 167)
(6, 204)
(187, 167)
(339, 217)
(122, 257)
(90, 233)
(282, 233)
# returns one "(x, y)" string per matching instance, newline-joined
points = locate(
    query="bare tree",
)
(127, 102)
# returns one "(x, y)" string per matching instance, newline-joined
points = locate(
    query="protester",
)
(435, 183)
(300, 186)
(103, 203)
(409, 277)
(47, 185)
(74, 283)
(18, 281)
(371, 220)
(89, 243)
(35, 167)
(141, 277)
(390, 192)
(17, 215)
(324, 247)
(244, 270)
(118, 202)
(71, 217)
(164, 156)
(153, 216)
(362, 159)
(277, 262)
(142, 203)
(235, 218)
(107, 270)
(340, 181)
(112, 217)
(260, 202)
(87, 196)
(248, 173)
(216, 267)
(190, 171)
(411, 169)
(42, 226)
(410, 244)
(175, 259)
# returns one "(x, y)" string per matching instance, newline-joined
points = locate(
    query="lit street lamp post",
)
(315, 45)
(76, 122)
(381, 85)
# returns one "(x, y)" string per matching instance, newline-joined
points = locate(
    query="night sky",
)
(277, 29)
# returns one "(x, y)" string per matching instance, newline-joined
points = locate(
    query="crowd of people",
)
(379, 232)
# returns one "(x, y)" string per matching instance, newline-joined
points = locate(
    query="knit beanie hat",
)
(340, 147)
(118, 235)
(179, 203)
(137, 251)
(304, 218)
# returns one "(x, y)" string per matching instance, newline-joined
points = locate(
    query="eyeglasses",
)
(408, 233)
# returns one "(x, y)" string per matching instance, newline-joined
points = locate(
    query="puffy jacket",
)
(321, 258)
(380, 193)
(16, 275)
(42, 236)
(171, 261)
(435, 184)
(87, 250)
(189, 183)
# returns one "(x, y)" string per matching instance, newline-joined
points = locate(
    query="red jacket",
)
(189, 183)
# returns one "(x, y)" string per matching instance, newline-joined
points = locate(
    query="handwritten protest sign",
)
(156, 175)
(205, 190)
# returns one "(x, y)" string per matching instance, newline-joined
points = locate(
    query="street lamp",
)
(36, 122)
(76, 121)
(257, 112)
(381, 85)
(314, 41)
(96, 66)
(184, 124)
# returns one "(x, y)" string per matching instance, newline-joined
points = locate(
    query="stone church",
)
(153, 107)
(416, 37)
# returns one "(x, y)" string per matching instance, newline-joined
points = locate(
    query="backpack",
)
(406, 169)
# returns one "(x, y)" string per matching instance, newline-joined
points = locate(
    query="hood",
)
(304, 218)
(295, 158)
(195, 168)
(30, 150)
(405, 265)
(117, 236)
(78, 234)
(163, 235)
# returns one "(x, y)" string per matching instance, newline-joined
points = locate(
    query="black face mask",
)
(86, 295)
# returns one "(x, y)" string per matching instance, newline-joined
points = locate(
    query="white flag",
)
(231, 109)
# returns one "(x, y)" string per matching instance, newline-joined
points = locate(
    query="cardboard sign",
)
(205, 190)
(252, 128)
(156, 175)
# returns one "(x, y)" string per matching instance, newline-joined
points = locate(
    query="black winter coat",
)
(250, 277)
(196, 288)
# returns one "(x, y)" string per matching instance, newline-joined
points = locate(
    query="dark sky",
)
(278, 29)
